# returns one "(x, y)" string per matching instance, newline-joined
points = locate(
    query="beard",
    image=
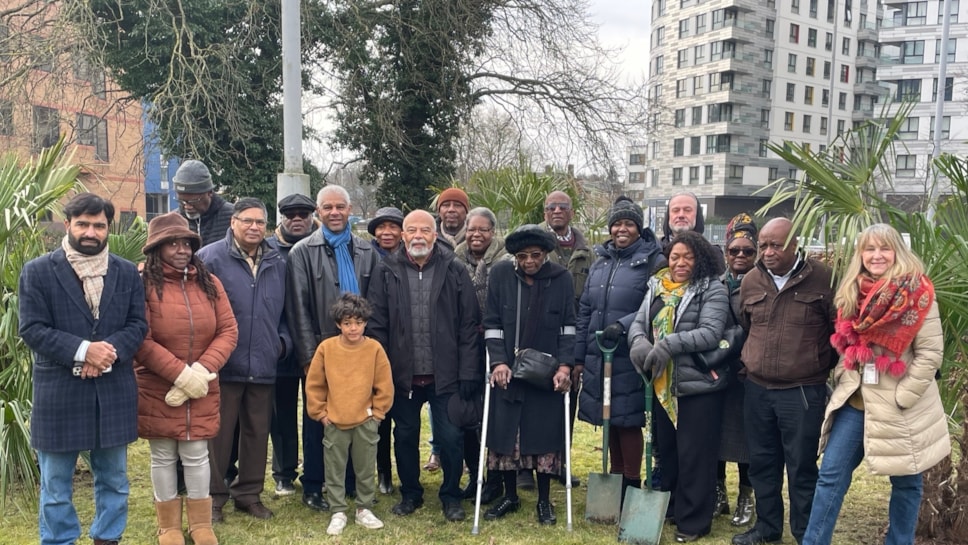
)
(87, 250)
(419, 251)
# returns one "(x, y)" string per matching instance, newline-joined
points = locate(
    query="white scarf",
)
(91, 269)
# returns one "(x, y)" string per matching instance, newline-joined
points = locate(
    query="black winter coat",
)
(538, 414)
(454, 320)
(614, 290)
(211, 225)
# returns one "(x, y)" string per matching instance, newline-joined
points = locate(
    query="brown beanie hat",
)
(170, 226)
(453, 194)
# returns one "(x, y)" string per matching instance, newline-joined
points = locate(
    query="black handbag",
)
(532, 366)
(729, 349)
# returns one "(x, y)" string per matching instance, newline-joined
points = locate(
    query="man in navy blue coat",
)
(82, 312)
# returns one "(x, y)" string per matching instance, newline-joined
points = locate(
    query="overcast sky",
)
(625, 24)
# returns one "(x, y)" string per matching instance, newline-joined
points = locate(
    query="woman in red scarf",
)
(885, 407)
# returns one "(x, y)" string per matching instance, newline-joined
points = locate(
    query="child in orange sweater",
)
(349, 389)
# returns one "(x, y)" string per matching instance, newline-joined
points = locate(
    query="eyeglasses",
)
(482, 230)
(563, 206)
(524, 256)
(192, 202)
(249, 222)
(301, 214)
(748, 252)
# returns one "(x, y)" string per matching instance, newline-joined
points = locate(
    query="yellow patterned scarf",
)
(663, 325)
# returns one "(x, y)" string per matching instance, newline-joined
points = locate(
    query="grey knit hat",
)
(387, 213)
(625, 209)
(193, 177)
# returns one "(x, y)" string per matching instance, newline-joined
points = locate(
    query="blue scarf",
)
(340, 242)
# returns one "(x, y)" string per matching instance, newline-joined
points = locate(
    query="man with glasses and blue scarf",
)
(323, 266)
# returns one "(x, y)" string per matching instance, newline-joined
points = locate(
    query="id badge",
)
(870, 374)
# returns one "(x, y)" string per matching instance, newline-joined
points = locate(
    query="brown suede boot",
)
(200, 521)
(170, 522)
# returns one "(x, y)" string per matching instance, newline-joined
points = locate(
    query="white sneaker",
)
(336, 524)
(366, 519)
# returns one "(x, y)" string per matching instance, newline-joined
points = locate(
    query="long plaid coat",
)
(71, 414)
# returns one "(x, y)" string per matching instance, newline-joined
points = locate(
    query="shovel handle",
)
(607, 357)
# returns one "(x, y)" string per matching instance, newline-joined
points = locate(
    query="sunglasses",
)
(301, 214)
(736, 252)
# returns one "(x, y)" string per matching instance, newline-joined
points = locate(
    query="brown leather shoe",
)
(217, 515)
(256, 510)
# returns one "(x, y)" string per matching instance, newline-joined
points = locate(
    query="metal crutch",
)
(567, 453)
(483, 454)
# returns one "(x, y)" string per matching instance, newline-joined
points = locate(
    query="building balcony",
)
(867, 32)
(865, 61)
(862, 115)
(870, 88)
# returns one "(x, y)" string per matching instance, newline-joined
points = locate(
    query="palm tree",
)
(842, 192)
(28, 193)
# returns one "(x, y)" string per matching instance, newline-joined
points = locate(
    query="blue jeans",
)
(406, 443)
(58, 518)
(844, 452)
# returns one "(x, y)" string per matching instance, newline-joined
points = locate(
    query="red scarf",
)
(890, 316)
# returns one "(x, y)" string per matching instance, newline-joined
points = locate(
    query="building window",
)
(912, 52)
(701, 23)
(908, 89)
(693, 175)
(678, 146)
(637, 159)
(826, 69)
(683, 28)
(677, 176)
(699, 54)
(795, 6)
(765, 118)
(697, 115)
(767, 88)
(770, 28)
(808, 95)
(697, 83)
(768, 58)
(718, 143)
(658, 37)
(842, 101)
(811, 66)
(721, 50)
(948, 87)
(908, 129)
(695, 145)
(823, 126)
(772, 174)
(763, 149)
(845, 46)
(46, 127)
(682, 58)
(791, 91)
(156, 204)
(658, 65)
(707, 174)
(844, 73)
(734, 172)
(6, 118)
(828, 43)
(720, 81)
(792, 174)
(813, 9)
(788, 121)
(92, 131)
(840, 127)
(720, 112)
(791, 63)
(680, 118)
(906, 165)
(831, 9)
(952, 48)
(807, 121)
(794, 33)
(680, 88)
(825, 97)
(954, 11)
(912, 14)
(945, 128)
(812, 37)
(654, 177)
(655, 149)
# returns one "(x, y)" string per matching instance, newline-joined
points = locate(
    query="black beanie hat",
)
(625, 209)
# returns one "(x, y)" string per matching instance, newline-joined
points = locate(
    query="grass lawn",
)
(865, 513)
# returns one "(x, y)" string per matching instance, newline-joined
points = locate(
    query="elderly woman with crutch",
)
(530, 305)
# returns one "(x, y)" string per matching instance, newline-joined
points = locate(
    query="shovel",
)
(604, 501)
(644, 511)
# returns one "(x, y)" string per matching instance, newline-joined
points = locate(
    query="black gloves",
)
(657, 359)
(467, 389)
(638, 353)
(612, 334)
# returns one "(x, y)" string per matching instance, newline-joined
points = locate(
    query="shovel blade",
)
(604, 501)
(643, 515)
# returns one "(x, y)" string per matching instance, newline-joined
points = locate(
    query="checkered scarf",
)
(91, 269)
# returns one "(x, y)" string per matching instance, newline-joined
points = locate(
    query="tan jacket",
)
(349, 384)
(905, 428)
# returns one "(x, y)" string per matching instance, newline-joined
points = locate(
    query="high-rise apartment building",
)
(728, 77)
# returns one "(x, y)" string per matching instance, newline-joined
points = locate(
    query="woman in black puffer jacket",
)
(684, 312)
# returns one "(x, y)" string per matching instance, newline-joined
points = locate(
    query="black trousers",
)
(783, 428)
(690, 453)
(284, 430)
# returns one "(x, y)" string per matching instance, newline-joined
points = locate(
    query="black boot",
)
(626, 483)
(722, 500)
(744, 507)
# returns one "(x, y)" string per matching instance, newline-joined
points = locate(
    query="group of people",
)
(205, 350)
